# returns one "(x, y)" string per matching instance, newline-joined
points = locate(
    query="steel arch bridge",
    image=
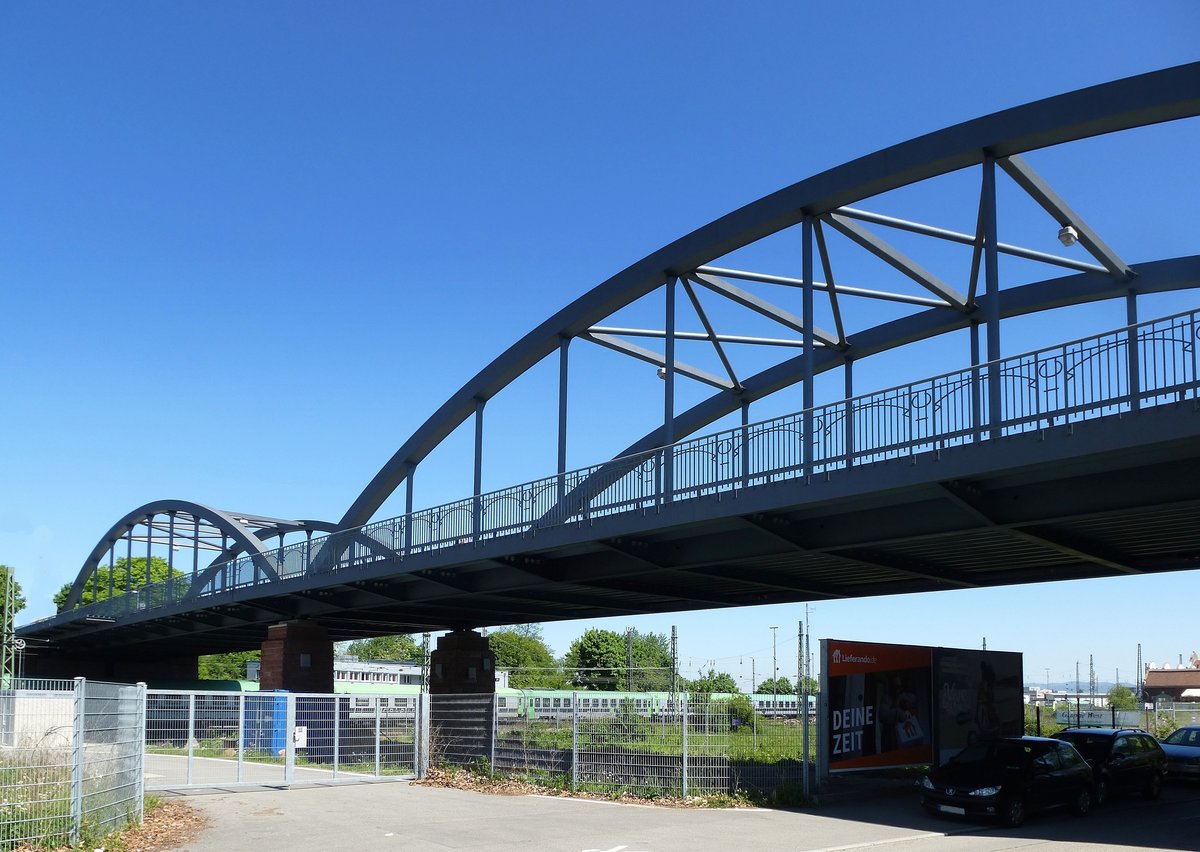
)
(897, 490)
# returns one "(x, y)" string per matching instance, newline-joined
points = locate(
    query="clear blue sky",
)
(246, 249)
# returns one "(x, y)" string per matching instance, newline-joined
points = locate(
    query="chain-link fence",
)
(70, 760)
(204, 739)
(648, 744)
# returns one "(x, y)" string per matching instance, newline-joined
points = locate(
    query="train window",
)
(558, 702)
(362, 702)
(503, 702)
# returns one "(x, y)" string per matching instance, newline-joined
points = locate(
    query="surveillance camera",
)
(1068, 236)
(662, 372)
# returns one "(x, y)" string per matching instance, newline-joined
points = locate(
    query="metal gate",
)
(221, 739)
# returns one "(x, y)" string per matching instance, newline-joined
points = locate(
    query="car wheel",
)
(1153, 786)
(1082, 803)
(1100, 793)
(1012, 813)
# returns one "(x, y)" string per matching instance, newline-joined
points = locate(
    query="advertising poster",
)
(879, 705)
(978, 695)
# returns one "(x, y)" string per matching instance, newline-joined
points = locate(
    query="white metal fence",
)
(205, 739)
(70, 760)
(647, 745)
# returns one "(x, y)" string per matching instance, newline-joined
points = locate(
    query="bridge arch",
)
(821, 202)
(200, 525)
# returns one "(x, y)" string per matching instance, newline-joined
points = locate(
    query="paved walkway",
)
(397, 815)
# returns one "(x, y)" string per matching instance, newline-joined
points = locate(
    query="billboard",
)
(979, 695)
(899, 705)
(878, 704)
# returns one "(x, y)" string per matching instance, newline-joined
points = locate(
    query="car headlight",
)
(985, 791)
(926, 783)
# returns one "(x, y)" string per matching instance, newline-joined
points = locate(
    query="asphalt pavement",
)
(400, 816)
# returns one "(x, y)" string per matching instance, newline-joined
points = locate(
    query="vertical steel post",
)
(574, 743)
(668, 485)
(805, 669)
(410, 472)
(289, 746)
(112, 552)
(140, 733)
(976, 390)
(1134, 347)
(191, 734)
(991, 264)
(809, 355)
(195, 548)
(684, 757)
(744, 440)
(495, 732)
(378, 732)
(563, 344)
(170, 557)
(128, 559)
(848, 376)
(78, 715)
(629, 659)
(337, 733)
(424, 735)
(241, 741)
(478, 502)
(149, 544)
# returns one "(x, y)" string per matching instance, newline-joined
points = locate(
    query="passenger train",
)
(534, 704)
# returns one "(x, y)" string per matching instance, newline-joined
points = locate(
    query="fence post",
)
(423, 734)
(378, 748)
(191, 734)
(78, 712)
(574, 743)
(289, 744)
(241, 747)
(684, 717)
(495, 733)
(141, 752)
(337, 733)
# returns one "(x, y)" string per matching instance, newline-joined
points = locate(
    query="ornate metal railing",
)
(1081, 380)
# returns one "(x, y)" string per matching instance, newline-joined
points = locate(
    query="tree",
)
(1122, 698)
(714, 681)
(231, 666)
(777, 686)
(529, 662)
(398, 647)
(598, 659)
(651, 662)
(97, 586)
(9, 575)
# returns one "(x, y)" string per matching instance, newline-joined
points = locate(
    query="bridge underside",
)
(1114, 496)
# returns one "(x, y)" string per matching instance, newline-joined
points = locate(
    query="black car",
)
(1122, 760)
(1008, 778)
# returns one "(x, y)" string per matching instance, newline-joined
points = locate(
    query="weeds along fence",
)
(205, 739)
(70, 760)
(689, 745)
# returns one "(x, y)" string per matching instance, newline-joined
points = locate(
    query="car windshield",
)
(1004, 753)
(1184, 736)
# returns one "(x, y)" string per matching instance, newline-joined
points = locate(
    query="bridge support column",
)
(462, 700)
(297, 656)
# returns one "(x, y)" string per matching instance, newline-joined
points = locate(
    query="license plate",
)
(952, 809)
